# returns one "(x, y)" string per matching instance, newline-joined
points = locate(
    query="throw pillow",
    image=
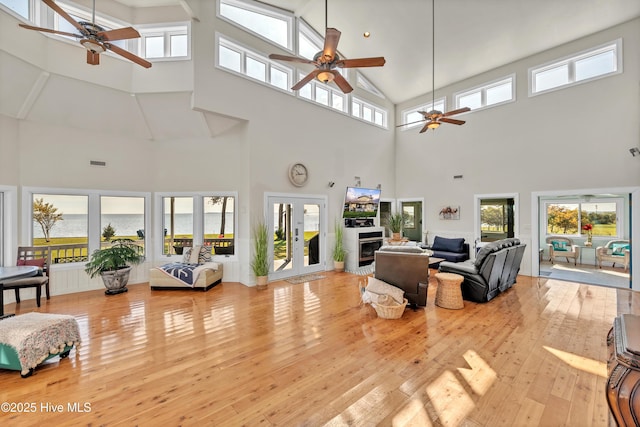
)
(559, 245)
(447, 245)
(618, 249)
(377, 286)
(204, 255)
(195, 254)
(186, 255)
(38, 262)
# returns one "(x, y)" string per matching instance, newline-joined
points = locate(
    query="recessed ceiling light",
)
(366, 34)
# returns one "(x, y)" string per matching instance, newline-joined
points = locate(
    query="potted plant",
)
(260, 261)
(395, 221)
(178, 248)
(114, 264)
(338, 248)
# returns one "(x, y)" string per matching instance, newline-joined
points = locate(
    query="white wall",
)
(570, 139)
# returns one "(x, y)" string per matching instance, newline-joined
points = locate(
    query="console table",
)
(623, 367)
(11, 273)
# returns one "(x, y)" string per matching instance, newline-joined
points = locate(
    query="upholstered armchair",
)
(560, 246)
(614, 251)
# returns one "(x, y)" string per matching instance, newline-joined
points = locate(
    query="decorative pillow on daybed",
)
(197, 255)
(377, 288)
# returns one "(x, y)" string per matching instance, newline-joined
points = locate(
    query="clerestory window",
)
(262, 20)
(487, 95)
(602, 61)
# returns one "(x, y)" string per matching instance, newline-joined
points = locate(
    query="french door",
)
(298, 225)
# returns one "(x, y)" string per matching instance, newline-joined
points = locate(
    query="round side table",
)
(449, 292)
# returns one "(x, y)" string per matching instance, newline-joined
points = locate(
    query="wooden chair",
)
(32, 255)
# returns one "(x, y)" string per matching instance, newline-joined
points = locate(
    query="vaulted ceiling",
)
(471, 36)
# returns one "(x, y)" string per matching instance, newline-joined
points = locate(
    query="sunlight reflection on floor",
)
(578, 362)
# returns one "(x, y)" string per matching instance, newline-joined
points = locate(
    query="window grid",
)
(368, 112)
(596, 63)
(165, 42)
(488, 95)
(252, 65)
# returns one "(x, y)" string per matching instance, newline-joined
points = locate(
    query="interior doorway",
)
(412, 213)
(298, 225)
(495, 217)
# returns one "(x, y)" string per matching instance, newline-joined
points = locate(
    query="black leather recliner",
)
(495, 269)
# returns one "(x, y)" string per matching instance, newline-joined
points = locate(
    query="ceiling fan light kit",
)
(327, 60)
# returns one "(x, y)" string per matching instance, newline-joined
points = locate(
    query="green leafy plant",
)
(122, 253)
(108, 232)
(395, 221)
(338, 249)
(260, 261)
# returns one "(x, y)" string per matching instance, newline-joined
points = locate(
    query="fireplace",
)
(361, 243)
(368, 244)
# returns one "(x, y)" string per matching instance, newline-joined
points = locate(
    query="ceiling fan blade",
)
(93, 58)
(452, 121)
(291, 58)
(305, 80)
(65, 15)
(47, 30)
(425, 127)
(341, 82)
(130, 56)
(458, 111)
(378, 61)
(410, 123)
(331, 39)
(119, 34)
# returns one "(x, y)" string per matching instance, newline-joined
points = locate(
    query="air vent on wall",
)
(97, 163)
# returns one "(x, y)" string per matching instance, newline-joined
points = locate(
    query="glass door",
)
(298, 229)
(412, 227)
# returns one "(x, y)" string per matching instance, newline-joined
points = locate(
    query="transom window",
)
(487, 95)
(596, 63)
(21, 7)
(236, 58)
(413, 117)
(368, 112)
(165, 41)
(365, 84)
(264, 21)
(323, 94)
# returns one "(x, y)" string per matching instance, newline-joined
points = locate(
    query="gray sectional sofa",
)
(495, 269)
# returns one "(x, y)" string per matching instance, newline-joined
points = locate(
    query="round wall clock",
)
(298, 174)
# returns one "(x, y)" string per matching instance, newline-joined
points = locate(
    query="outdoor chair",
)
(614, 251)
(560, 246)
(37, 256)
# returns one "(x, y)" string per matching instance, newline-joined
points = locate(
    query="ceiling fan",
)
(93, 37)
(435, 117)
(327, 60)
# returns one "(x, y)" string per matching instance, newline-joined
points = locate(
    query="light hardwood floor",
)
(309, 354)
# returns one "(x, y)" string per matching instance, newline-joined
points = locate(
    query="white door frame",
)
(634, 224)
(398, 208)
(476, 215)
(299, 268)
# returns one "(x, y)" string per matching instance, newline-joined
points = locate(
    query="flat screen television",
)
(361, 202)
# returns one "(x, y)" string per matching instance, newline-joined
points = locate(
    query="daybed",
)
(451, 249)
(196, 271)
(495, 269)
